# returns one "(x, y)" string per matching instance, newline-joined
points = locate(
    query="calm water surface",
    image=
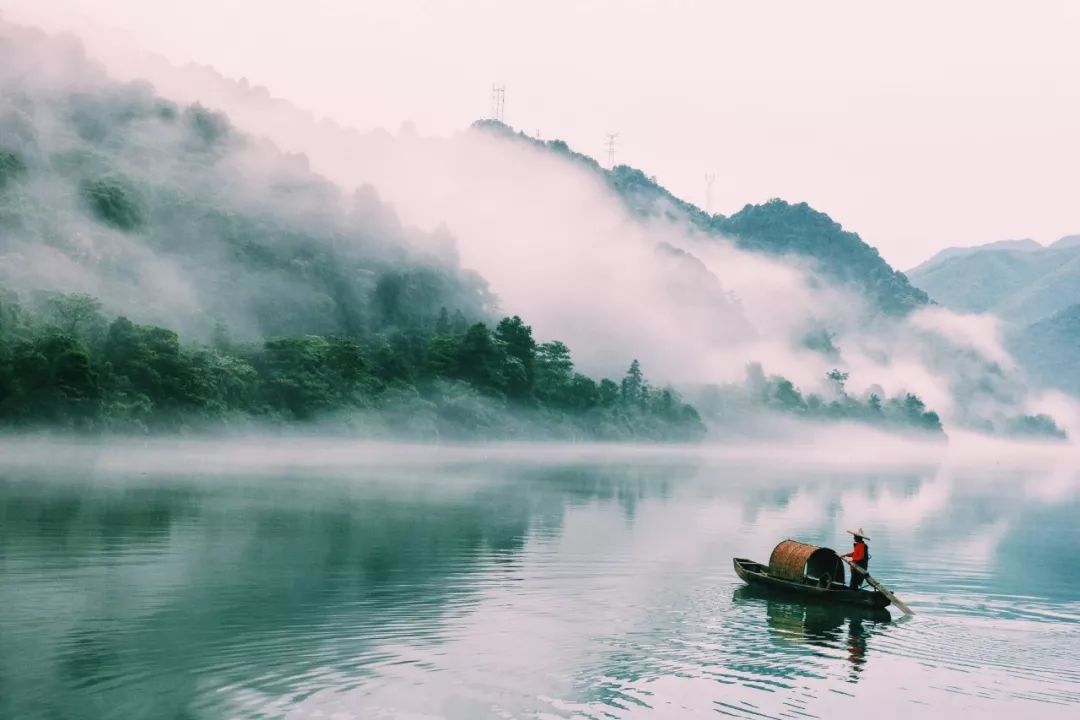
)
(472, 584)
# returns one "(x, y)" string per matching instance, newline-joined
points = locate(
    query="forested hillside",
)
(64, 364)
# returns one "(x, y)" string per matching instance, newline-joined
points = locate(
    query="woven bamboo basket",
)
(797, 562)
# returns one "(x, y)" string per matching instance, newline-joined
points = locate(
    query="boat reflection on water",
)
(817, 626)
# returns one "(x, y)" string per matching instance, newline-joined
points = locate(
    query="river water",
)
(340, 581)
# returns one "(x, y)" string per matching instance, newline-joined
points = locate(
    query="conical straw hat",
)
(859, 533)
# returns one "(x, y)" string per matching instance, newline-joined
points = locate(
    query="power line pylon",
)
(498, 102)
(611, 149)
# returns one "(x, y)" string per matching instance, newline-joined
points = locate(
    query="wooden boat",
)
(809, 571)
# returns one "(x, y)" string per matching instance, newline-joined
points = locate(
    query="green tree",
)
(390, 365)
(293, 373)
(442, 356)
(633, 384)
(76, 314)
(517, 341)
(583, 393)
(114, 200)
(442, 324)
(608, 393)
(554, 370)
(838, 379)
(479, 358)
(786, 395)
(54, 380)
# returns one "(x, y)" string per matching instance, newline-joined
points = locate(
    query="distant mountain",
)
(1024, 245)
(777, 228)
(1050, 349)
(1019, 281)
(1069, 241)
(781, 228)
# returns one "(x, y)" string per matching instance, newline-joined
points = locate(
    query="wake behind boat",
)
(810, 571)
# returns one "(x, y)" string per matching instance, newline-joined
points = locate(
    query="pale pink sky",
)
(919, 125)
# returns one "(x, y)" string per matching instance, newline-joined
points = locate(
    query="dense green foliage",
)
(781, 228)
(63, 364)
(114, 201)
(777, 393)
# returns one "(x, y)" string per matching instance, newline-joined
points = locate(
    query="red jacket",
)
(858, 555)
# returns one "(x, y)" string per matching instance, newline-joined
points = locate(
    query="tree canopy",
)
(63, 363)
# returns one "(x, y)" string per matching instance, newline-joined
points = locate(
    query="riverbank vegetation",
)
(64, 364)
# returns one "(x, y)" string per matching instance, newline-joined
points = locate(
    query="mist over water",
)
(561, 581)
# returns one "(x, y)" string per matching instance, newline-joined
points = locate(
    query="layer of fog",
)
(840, 448)
(560, 249)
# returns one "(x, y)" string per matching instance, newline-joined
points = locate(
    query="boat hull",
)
(757, 575)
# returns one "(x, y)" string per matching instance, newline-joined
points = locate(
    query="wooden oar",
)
(881, 588)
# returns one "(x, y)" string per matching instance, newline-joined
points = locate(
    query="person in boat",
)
(860, 555)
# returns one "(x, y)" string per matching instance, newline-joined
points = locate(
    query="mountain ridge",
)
(1022, 245)
(1019, 285)
(777, 228)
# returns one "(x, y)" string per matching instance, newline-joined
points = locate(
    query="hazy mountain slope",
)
(979, 281)
(1026, 244)
(1050, 349)
(1019, 285)
(171, 215)
(780, 228)
(795, 231)
(774, 228)
(1053, 291)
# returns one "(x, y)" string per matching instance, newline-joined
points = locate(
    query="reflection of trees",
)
(185, 589)
(58, 521)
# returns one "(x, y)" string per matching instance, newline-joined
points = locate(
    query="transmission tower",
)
(710, 178)
(498, 102)
(611, 149)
